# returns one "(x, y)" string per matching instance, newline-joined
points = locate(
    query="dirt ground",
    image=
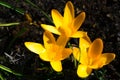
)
(102, 21)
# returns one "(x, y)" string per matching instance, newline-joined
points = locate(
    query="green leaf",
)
(9, 24)
(9, 70)
(1, 77)
(5, 4)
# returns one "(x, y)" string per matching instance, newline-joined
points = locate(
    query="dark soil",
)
(102, 21)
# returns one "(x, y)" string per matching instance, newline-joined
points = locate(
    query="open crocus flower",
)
(67, 24)
(53, 51)
(91, 57)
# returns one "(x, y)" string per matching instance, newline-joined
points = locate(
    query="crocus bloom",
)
(52, 51)
(67, 24)
(91, 57)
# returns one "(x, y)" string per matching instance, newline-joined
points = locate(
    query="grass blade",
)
(1, 77)
(5, 4)
(9, 70)
(9, 24)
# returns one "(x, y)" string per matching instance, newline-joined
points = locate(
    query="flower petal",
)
(84, 56)
(49, 39)
(35, 47)
(62, 40)
(83, 71)
(105, 59)
(57, 18)
(80, 55)
(78, 21)
(66, 31)
(95, 49)
(109, 57)
(86, 37)
(50, 28)
(76, 53)
(56, 65)
(68, 13)
(50, 44)
(83, 43)
(79, 34)
(61, 55)
(44, 56)
(66, 53)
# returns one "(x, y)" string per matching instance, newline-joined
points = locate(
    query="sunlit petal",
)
(50, 28)
(66, 31)
(86, 37)
(56, 65)
(68, 13)
(83, 71)
(81, 55)
(105, 59)
(79, 34)
(78, 21)
(84, 56)
(95, 50)
(62, 40)
(76, 53)
(57, 18)
(35, 47)
(44, 56)
(49, 39)
(109, 57)
(50, 44)
(66, 53)
(83, 43)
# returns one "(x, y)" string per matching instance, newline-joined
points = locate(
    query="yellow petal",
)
(49, 40)
(56, 65)
(35, 47)
(80, 55)
(50, 28)
(76, 53)
(83, 43)
(50, 44)
(62, 40)
(83, 71)
(109, 57)
(95, 50)
(66, 53)
(61, 55)
(86, 37)
(105, 59)
(78, 21)
(66, 31)
(44, 56)
(57, 18)
(68, 13)
(84, 56)
(79, 34)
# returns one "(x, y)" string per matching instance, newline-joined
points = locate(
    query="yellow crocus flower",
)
(90, 57)
(67, 24)
(52, 51)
